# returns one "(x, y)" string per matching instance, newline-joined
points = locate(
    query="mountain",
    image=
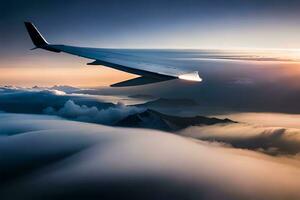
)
(155, 120)
(142, 96)
(164, 102)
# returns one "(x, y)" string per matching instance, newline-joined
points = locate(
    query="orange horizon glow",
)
(78, 77)
(56, 69)
(45, 69)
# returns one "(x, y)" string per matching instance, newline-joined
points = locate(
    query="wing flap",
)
(137, 81)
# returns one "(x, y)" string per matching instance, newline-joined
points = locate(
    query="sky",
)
(134, 24)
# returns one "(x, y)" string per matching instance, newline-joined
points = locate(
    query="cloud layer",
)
(271, 140)
(77, 107)
(108, 116)
(45, 157)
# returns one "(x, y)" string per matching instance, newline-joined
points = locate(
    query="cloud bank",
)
(77, 107)
(35, 100)
(45, 157)
(108, 116)
(266, 119)
(271, 140)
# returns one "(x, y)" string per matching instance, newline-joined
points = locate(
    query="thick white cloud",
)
(59, 159)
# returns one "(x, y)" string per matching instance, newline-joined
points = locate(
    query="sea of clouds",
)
(46, 157)
(270, 140)
(50, 150)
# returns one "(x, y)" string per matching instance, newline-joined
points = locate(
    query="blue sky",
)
(155, 24)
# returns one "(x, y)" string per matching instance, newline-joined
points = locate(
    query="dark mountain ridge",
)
(164, 102)
(155, 120)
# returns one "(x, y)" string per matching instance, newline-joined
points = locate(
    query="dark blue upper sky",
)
(150, 24)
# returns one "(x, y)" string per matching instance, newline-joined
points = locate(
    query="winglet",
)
(36, 37)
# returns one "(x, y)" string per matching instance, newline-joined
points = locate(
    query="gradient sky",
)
(134, 24)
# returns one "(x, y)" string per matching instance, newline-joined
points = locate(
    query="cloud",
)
(84, 113)
(77, 107)
(266, 119)
(271, 140)
(35, 100)
(30, 100)
(59, 159)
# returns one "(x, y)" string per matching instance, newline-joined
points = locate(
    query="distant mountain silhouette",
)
(155, 120)
(163, 102)
(142, 96)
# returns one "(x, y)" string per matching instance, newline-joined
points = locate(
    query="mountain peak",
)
(155, 120)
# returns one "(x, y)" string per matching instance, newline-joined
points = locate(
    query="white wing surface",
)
(149, 72)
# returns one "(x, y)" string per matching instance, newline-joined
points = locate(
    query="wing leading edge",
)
(149, 72)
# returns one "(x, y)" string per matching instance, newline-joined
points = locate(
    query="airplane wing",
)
(148, 72)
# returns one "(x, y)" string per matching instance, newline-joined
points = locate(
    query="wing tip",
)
(193, 76)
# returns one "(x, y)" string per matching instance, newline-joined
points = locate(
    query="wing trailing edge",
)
(137, 81)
